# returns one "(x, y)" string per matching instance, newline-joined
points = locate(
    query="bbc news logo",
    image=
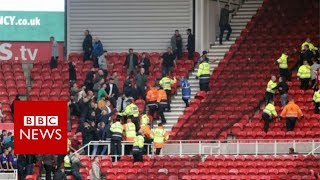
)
(36, 133)
(40, 127)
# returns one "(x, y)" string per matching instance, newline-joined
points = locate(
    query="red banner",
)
(27, 51)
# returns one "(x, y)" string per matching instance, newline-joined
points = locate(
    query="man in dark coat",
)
(190, 45)
(176, 44)
(72, 72)
(168, 61)
(87, 45)
(141, 80)
(112, 92)
(224, 22)
(131, 62)
(145, 63)
(12, 104)
(89, 79)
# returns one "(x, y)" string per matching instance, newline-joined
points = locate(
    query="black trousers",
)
(161, 114)
(178, 52)
(284, 73)
(54, 62)
(137, 156)
(49, 170)
(158, 150)
(190, 53)
(60, 160)
(222, 29)
(168, 92)
(316, 107)
(268, 97)
(290, 123)
(127, 149)
(115, 147)
(152, 110)
(87, 55)
(267, 119)
(313, 84)
(95, 61)
(304, 83)
(142, 92)
(204, 86)
(186, 101)
(135, 121)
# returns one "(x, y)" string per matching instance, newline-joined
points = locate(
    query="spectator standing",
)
(87, 45)
(89, 79)
(283, 90)
(272, 84)
(59, 175)
(146, 132)
(268, 112)
(186, 90)
(97, 51)
(116, 138)
(72, 72)
(292, 113)
(191, 44)
(283, 66)
(166, 82)
(67, 163)
(131, 62)
(304, 74)
(21, 163)
(88, 134)
(176, 44)
(75, 144)
(101, 92)
(168, 61)
(8, 138)
(76, 165)
(316, 100)
(103, 63)
(3, 135)
(115, 78)
(306, 54)
(48, 161)
(95, 171)
(30, 162)
(204, 74)
(131, 91)
(203, 57)
(159, 136)
(97, 87)
(12, 159)
(314, 69)
(145, 63)
(224, 22)
(137, 149)
(54, 53)
(141, 80)
(12, 104)
(4, 164)
(112, 92)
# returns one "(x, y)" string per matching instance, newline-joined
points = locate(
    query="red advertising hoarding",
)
(27, 51)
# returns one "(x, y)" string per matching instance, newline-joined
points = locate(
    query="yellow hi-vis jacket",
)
(159, 136)
(67, 161)
(270, 87)
(144, 120)
(166, 82)
(311, 46)
(130, 110)
(116, 129)
(270, 110)
(283, 61)
(316, 96)
(138, 141)
(129, 131)
(204, 69)
(304, 72)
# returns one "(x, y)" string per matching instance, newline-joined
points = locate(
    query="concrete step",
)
(240, 20)
(224, 50)
(248, 9)
(248, 17)
(234, 24)
(238, 27)
(245, 13)
(256, 6)
(224, 42)
(214, 48)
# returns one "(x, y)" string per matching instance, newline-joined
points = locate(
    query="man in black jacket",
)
(145, 63)
(224, 22)
(72, 72)
(168, 61)
(112, 92)
(190, 45)
(87, 45)
(283, 90)
(88, 134)
(131, 62)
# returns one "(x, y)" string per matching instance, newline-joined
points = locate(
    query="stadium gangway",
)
(227, 147)
(10, 174)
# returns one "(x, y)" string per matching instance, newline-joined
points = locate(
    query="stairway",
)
(215, 54)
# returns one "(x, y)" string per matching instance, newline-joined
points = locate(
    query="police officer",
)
(316, 100)
(283, 66)
(116, 138)
(166, 83)
(204, 74)
(267, 114)
(131, 110)
(137, 150)
(271, 89)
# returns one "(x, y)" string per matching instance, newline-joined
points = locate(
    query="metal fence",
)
(225, 147)
(9, 174)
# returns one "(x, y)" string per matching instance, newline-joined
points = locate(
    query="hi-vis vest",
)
(138, 142)
(144, 119)
(67, 161)
(204, 72)
(283, 61)
(166, 83)
(270, 110)
(270, 86)
(159, 135)
(304, 71)
(116, 129)
(130, 131)
(131, 110)
(316, 96)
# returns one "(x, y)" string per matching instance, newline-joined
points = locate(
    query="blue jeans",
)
(104, 150)
(95, 149)
(76, 175)
(284, 99)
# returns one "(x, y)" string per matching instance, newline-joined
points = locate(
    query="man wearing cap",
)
(204, 74)
(203, 57)
(132, 111)
(224, 22)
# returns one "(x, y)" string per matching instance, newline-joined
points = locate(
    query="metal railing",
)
(11, 174)
(225, 147)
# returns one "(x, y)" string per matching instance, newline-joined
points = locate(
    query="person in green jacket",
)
(101, 92)
(137, 150)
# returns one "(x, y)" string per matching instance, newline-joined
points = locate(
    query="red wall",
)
(27, 51)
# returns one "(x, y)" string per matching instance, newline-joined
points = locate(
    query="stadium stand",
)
(242, 76)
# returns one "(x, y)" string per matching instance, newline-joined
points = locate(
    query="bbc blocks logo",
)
(40, 127)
